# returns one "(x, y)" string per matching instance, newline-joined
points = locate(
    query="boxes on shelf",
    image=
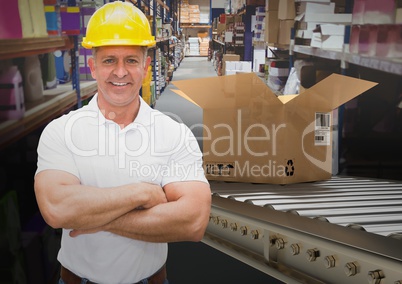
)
(184, 14)
(278, 72)
(251, 135)
(86, 12)
(271, 26)
(285, 27)
(204, 46)
(193, 46)
(311, 15)
(70, 20)
(259, 27)
(328, 18)
(286, 10)
(328, 36)
(229, 57)
(85, 72)
(234, 67)
(314, 7)
(272, 5)
(52, 16)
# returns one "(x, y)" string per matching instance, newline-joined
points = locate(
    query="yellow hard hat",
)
(118, 23)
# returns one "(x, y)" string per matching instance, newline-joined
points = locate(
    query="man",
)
(120, 178)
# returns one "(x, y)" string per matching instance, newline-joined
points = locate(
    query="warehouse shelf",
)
(12, 48)
(323, 53)
(161, 39)
(195, 26)
(160, 2)
(385, 64)
(389, 65)
(54, 103)
(218, 41)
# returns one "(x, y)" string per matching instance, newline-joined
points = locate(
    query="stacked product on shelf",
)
(235, 67)
(157, 74)
(159, 27)
(259, 27)
(63, 66)
(22, 19)
(376, 28)
(194, 13)
(164, 67)
(271, 21)
(321, 24)
(204, 17)
(204, 45)
(278, 71)
(86, 11)
(305, 28)
(147, 93)
(238, 5)
(239, 30)
(184, 12)
(259, 39)
(279, 21)
(178, 51)
(193, 46)
(62, 19)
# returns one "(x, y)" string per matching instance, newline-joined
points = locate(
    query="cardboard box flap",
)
(180, 93)
(223, 92)
(286, 98)
(332, 92)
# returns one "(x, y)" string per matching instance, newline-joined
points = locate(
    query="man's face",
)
(119, 72)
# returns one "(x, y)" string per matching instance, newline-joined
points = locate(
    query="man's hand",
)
(155, 195)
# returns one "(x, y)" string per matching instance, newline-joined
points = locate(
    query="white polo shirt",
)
(154, 148)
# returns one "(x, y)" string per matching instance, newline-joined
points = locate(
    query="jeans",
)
(84, 281)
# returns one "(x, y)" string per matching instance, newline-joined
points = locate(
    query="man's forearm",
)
(65, 203)
(169, 222)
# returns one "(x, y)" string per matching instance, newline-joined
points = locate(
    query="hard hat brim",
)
(116, 42)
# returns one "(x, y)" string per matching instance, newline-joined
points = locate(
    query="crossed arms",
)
(142, 211)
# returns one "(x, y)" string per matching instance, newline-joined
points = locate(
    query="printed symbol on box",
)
(290, 169)
(219, 169)
(322, 135)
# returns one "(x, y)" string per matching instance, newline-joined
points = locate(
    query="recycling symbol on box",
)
(290, 168)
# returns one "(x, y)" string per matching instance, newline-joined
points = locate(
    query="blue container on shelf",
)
(62, 59)
(51, 15)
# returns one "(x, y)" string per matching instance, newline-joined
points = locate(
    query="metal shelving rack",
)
(65, 97)
(167, 11)
(68, 95)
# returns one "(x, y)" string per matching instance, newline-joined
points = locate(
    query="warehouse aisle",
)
(179, 108)
(198, 263)
(190, 68)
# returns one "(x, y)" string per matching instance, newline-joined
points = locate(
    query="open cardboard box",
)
(251, 135)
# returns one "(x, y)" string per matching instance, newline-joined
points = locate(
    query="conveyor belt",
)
(343, 230)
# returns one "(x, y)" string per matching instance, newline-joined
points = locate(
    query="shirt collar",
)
(144, 116)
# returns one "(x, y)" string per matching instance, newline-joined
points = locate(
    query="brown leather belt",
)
(70, 278)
